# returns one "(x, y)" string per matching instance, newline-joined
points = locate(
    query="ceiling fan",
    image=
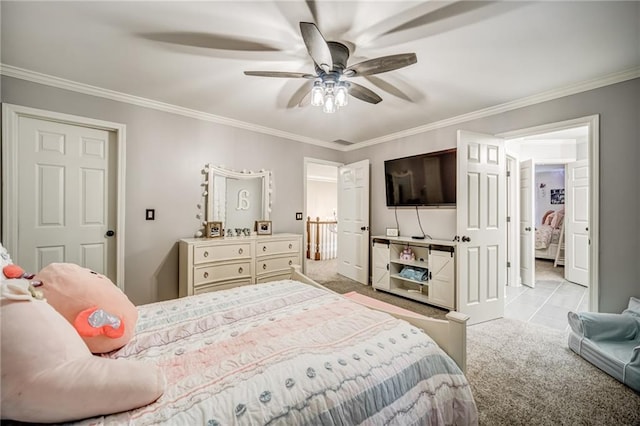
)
(330, 86)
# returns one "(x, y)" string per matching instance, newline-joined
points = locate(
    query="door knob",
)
(465, 239)
(364, 228)
(528, 228)
(110, 233)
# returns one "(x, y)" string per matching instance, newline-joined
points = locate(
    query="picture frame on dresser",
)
(214, 230)
(263, 227)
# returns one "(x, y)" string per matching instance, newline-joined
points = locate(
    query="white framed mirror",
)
(238, 198)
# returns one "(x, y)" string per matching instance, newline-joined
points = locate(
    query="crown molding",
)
(61, 83)
(572, 89)
(36, 77)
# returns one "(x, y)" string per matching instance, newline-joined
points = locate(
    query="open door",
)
(527, 224)
(353, 221)
(481, 226)
(577, 222)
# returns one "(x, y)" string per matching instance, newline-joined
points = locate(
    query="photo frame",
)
(557, 196)
(263, 227)
(392, 232)
(214, 230)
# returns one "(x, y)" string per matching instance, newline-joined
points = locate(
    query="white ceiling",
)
(471, 55)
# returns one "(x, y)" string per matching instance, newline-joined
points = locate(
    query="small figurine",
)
(229, 232)
(238, 232)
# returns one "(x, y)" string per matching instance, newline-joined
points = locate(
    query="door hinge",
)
(508, 264)
(508, 174)
(508, 219)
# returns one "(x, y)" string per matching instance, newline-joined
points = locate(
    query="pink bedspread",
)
(286, 353)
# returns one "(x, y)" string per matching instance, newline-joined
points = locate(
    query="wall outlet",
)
(298, 215)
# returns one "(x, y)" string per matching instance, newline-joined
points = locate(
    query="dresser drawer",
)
(269, 266)
(213, 273)
(266, 248)
(221, 252)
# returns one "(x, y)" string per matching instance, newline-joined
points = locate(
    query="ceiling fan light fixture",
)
(317, 94)
(329, 104)
(342, 94)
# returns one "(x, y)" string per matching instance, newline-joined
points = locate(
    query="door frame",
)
(10, 116)
(307, 161)
(592, 122)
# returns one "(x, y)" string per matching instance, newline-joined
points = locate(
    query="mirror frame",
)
(213, 171)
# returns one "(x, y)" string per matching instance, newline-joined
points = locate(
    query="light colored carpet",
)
(525, 374)
(522, 373)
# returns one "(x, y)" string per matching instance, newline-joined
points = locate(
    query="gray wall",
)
(619, 109)
(165, 153)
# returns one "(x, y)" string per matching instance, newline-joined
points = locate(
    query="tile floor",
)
(549, 302)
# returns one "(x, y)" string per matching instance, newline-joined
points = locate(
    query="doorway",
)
(76, 168)
(562, 222)
(321, 219)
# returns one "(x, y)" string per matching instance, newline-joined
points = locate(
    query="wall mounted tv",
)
(425, 180)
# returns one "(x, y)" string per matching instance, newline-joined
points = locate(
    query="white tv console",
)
(435, 259)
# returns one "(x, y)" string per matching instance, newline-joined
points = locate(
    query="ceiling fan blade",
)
(300, 96)
(362, 93)
(380, 65)
(391, 89)
(280, 74)
(316, 46)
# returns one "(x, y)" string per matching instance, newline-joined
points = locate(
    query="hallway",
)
(549, 302)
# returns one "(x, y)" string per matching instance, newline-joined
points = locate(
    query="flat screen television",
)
(425, 180)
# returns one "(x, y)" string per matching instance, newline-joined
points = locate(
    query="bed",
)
(549, 242)
(292, 352)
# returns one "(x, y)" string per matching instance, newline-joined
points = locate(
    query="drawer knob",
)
(290, 262)
(206, 254)
(264, 248)
(240, 250)
(290, 246)
(240, 270)
(264, 266)
(206, 275)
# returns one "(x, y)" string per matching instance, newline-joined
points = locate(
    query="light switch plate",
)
(150, 214)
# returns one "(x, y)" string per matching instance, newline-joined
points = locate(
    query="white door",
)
(353, 221)
(527, 224)
(66, 196)
(481, 226)
(576, 226)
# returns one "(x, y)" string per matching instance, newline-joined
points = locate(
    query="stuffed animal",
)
(50, 376)
(99, 311)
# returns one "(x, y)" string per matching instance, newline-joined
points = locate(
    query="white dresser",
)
(220, 263)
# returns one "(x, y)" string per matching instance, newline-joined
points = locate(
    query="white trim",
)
(10, 116)
(508, 106)
(613, 78)
(593, 140)
(61, 83)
